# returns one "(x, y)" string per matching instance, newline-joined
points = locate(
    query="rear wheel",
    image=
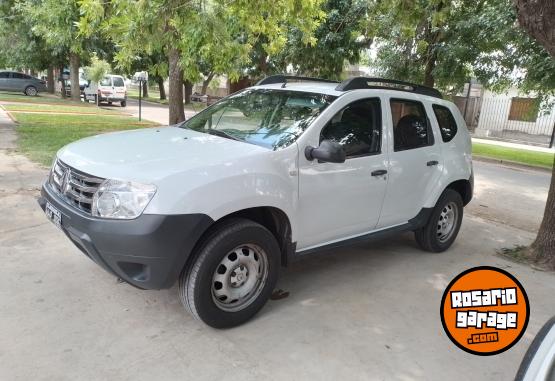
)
(444, 223)
(123, 103)
(31, 91)
(233, 274)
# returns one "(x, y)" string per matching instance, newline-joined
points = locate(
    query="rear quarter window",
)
(446, 121)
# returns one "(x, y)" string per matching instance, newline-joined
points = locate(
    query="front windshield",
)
(265, 117)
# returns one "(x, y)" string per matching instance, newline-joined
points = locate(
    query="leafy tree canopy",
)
(444, 43)
(214, 33)
(339, 39)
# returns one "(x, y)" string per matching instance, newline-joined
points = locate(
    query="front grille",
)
(75, 187)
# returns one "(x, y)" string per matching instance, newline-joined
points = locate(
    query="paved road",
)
(151, 111)
(510, 196)
(368, 312)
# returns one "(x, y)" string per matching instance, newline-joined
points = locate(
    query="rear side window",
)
(118, 81)
(446, 121)
(357, 128)
(410, 125)
(4, 74)
(20, 76)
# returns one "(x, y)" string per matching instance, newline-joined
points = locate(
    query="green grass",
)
(71, 107)
(41, 98)
(41, 135)
(533, 158)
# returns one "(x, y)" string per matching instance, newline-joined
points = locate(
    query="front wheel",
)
(444, 223)
(123, 103)
(234, 272)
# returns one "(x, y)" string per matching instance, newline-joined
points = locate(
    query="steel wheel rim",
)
(239, 278)
(447, 222)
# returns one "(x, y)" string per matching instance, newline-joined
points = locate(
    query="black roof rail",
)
(390, 84)
(282, 78)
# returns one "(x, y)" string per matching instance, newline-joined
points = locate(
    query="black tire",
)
(31, 91)
(196, 283)
(429, 237)
(109, 103)
(123, 103)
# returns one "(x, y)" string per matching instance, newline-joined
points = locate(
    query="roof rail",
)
(391, 84)
(282, 78)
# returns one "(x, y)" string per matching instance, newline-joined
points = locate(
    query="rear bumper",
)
(148, 252)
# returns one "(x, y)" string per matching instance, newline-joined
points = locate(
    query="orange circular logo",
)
(485, 310)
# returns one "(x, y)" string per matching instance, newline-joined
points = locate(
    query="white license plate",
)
(53, 214)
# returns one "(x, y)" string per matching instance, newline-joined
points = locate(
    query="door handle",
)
(432, 163)
(379, 172)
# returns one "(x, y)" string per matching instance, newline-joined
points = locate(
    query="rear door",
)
(415, 161)
(118, 87)
(105, 87)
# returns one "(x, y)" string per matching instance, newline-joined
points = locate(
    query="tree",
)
(442, 43)
(221, 33)
(339, 39)
(20, 47)
(537, 17)
(55, 22)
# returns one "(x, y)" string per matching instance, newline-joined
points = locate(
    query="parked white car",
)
(110, 89)
(263, 177)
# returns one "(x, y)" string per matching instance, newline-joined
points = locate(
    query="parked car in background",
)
(110, 89)
(15, 81)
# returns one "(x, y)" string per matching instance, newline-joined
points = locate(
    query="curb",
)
(509, 163)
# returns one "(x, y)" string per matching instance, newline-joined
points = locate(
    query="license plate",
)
(53, 214)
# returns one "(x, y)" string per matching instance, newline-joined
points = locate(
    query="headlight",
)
(121, 199)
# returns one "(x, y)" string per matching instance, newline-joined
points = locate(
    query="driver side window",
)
(357, 128)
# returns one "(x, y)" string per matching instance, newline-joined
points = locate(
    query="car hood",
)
(150, 154)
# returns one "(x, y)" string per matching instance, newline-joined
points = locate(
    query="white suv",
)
(267, 175)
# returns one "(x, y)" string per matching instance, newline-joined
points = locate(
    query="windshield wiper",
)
(222, 134)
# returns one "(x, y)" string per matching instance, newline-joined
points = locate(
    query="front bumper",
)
(147, 252)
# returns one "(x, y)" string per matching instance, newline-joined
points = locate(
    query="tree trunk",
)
(74, 62)
(429, 79)
(537, 17)
(145, 89)
(50, 79)
(206, 82)
(161, 88)
(188, 92)
(177, 112)
(543, 248)
(63, 93)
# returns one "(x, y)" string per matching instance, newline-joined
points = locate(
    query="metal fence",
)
(512, 119)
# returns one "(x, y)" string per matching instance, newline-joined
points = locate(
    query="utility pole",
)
(140, 92)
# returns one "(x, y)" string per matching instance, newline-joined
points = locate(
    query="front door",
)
(415, 163)
(341, 200)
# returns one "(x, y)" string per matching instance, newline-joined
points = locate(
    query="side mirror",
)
(328, 152)
(539, 361)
